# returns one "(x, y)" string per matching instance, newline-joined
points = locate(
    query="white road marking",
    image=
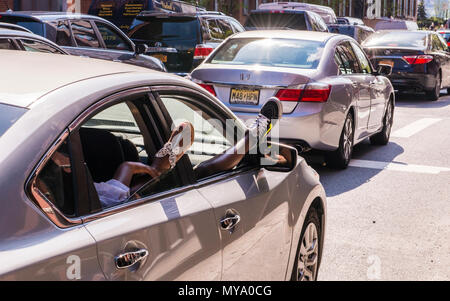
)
(414, 127)
(398, 166)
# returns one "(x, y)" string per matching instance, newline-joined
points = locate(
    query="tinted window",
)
(166, 29)
(56, 181)
(36, 46)
(111, 38)
(362, 59)
(397, 39)
(275, 20)
(446, 36)
(63, 33)
(348, 58)
(35, 27)
(215, 31)
(226, 28)
(6, 44)
(84, 34)
(273, 52)
(8, 116)
(237, 27)
(339, 63)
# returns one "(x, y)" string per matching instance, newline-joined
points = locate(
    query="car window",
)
(362, 59)
(321, 24)
(8, 116)
(63, 37)
(436, 43)
(116, 135)
(84, 34)
(349, 58)
(312, 20)
(212, 137)
(36, 46)
(111, 38)
(6, 44)
(215, 30)
(56, 180)
(339, 62)
(237, 27)
(226, 28)
(277, 52)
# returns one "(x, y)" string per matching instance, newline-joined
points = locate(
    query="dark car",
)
(22, 40)
(358, 32)
(420, 60)
(84, 35)
(182, 40)
(261, 19)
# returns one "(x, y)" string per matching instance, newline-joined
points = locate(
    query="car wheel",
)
(341, 157)
(307, 257)
(448, 91)
(382, 138)
(434, 94)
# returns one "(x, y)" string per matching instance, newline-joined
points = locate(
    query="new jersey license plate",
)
(244, 96)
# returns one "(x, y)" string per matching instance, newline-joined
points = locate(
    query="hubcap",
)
(348, 138)
(309, 252)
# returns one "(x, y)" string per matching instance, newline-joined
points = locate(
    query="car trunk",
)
(394, 56)
(233, 84)
(170, 39)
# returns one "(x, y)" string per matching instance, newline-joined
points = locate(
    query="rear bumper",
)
(307, 127)
(414, 82)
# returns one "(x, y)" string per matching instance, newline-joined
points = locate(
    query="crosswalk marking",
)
(414, 127)
(398, 166)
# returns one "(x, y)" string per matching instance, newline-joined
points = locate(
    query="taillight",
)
(209, 88)
(448, 43)
(418, 59)
(202, 51)
(315, 92)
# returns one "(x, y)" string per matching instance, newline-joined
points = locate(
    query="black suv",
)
(285, 19)
(84, 35)
(182, 40)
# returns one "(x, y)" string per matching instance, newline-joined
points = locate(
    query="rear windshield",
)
(269, 52)
(397, 39)
(8, 116)
(276, 21)
(35, 27)
(163, 29)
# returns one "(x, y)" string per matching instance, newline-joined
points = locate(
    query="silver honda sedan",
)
(67, 122)
(332, 97)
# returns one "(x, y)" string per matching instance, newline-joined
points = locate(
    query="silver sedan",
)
(332, 97)
(61, 132)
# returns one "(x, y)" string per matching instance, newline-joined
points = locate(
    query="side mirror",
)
(140, 49)
(384, 69)
(282, 159)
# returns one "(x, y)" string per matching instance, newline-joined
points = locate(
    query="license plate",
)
(244, 96)
(161, 57)
(386, 62)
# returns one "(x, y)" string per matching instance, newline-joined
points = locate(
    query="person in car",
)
(117, 190)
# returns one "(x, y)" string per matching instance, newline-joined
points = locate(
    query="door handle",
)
(129, 259)
(229, 222)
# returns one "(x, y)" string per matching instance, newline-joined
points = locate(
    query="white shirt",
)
(112, 192)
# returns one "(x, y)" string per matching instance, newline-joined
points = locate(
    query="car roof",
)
(21, 86)
(46, 16)
(286, 34)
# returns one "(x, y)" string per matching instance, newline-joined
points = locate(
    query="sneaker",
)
(269, 114)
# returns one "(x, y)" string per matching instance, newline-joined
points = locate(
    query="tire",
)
(340, 158)
(382, 138)
(434, 94)
(308, 249)
(448, 91)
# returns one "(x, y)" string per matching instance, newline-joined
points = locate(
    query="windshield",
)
(8, 116)
(277, 20)
(156, 29)
(397, 39)
(269, 52)
(35, 27)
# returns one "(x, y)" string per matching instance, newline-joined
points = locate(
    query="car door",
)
(361, 88)
(165, 231)
(251, 205)
(377, 88)
(443, 52)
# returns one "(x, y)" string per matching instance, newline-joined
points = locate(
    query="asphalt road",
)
(389, 213)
